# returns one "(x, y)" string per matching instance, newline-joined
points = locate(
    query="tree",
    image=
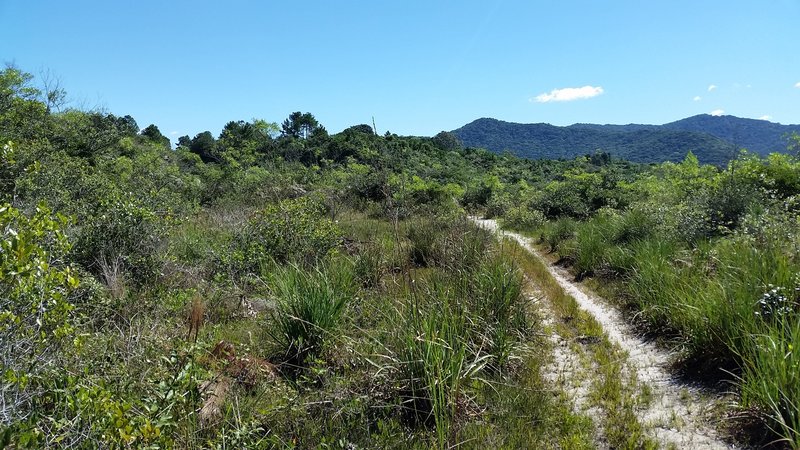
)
(204, 145)
(301, 125)
(127, 125)
(15, 84)
(447, 141)
(22, 115)
(362, 128)
(184, 142)
(154, 134)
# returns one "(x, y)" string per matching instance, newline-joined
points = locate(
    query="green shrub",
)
(523, 218)
(497, 206)
(425, 234)
(35, 306)
(370, 264)
(591, 248)
(293, 230)
(124, 230)
(433, 357)
(771, 379)
(463, 246)
(633, 225)
(455, 327)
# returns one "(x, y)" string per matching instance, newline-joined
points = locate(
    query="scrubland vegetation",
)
(280, 287)
(705, 258)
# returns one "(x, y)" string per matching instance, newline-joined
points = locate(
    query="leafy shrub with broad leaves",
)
(35, 306)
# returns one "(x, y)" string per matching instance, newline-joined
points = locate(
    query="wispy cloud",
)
(568, 94)
(717, 112)
(173, 133)
(711, 87)
(765, 117)
(797, 85)
(697, 98)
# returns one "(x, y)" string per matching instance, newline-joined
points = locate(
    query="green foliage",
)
(22, 115)
(310, 307)
(293, 230)
(397, 337)
(301, 125)
(35, 305)
(499, 308)
(435, 360)
(455, 327)
(122, 229)
(711, 258)
(89, 414)
(523, 218)
(555, 234)
(8, 172)
(447, 141)
(771, 381)
(424, 235)
(370, 265)
(152, 133)
(205, 145)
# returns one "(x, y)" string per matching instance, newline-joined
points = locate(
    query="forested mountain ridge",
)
(714, 139)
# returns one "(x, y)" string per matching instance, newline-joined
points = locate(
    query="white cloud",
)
(173, 133)
(765, 117)
(568, 94)
(717, 112)
(711, 87)
(797, 85)
(697, 98)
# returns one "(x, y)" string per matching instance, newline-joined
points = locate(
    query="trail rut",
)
(677, 415)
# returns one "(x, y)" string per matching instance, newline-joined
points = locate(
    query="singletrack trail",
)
(677, 415)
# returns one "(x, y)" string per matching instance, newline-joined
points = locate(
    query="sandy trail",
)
(675, 417)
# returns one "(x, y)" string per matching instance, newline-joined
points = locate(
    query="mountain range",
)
(713, 139)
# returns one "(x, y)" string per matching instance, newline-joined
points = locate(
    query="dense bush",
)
(292, 230)
(523, 218)
(36, 308)
(122, 231)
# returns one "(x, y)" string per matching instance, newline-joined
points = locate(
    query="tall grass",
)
(730, 302)
(771, 378)
(310, 306)
(556, 233)
(498, 301)
(435, 360)
(457, 325)
(423, 234)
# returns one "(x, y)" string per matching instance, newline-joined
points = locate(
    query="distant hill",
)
(714, 139)
(758, 136)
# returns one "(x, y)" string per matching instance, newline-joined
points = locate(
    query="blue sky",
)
(417, 67)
